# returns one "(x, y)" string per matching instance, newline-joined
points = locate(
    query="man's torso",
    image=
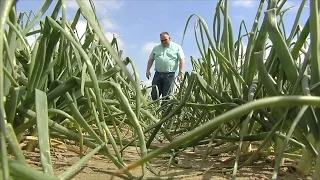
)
(166, 58)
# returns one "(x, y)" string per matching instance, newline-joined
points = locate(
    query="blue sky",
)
(138, 23)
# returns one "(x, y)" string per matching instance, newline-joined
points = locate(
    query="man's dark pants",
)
(163, 81)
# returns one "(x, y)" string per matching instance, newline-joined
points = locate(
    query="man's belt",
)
(164, 72)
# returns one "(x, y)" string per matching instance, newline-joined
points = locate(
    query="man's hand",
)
(180, 75)
(148, 74)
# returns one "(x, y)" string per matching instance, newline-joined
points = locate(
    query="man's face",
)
(165, 40)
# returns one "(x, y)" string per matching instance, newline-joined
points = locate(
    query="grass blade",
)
(281, 48)
(226, 32)
(44, 8)
(315, 44)
(14, 145)
(5, 6)
(43, 131)
(248, 69)
(264, 76)
(20, 171)
(289, 134)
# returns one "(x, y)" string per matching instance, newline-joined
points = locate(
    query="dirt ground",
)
(190, 166)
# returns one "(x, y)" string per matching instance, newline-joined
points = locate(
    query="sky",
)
(138, 23)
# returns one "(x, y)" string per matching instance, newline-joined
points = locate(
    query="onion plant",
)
(77, 88)
(228, 78)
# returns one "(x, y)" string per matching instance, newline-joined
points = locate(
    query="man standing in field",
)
(167, 56)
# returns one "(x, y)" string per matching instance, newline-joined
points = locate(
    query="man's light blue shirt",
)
(167, 58)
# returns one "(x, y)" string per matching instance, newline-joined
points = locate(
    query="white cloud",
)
(243, 3)
(81, 30)
(108, 24)
(133, 46)
(73, 4)
(31, 39)
(147, 48)
(81, 27)
(242, 53)
(109, 36)
(293, 5)
(101, 6)
(103, 9)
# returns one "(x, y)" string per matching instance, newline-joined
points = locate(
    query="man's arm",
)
(181, 68)
(181, 63)
(150, 63)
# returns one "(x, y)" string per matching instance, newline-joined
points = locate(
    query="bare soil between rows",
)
(190, 166)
